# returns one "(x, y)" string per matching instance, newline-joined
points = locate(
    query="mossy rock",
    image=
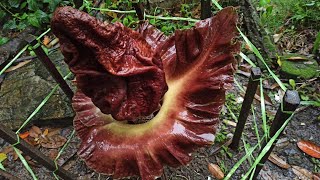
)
(295, 65)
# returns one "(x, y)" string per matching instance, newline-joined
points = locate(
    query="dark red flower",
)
(123, 74)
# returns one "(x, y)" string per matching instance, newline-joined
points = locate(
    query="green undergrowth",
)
(123, 11)
(16, 15)
(297, 14)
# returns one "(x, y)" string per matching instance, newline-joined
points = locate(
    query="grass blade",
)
(310, 103)
(25, 163)
(60, 152)
(237, 165)
(247, 59)
(148, 16)
(257, 53)
(263, 111)
(246, 148)
(1, 167)
(234, 117)
(14, 59)
(41, 35)
(239, 86)
(217, 4)
(266, 148)
(255, 125)
(22, 51)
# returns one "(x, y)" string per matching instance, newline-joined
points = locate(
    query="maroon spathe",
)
(123, 74)
(113, 64)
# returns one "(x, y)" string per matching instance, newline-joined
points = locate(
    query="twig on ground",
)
(7, 175)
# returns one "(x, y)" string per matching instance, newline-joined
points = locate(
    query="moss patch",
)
(294, 66)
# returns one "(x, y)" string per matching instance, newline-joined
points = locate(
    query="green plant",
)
(17, 15)
(223, 167)
(266, 8)
(316, 44)
(300, 13)
(3, 40)
(316, 163)
(186, 9)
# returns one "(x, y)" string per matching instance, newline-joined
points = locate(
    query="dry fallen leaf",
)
(267, 99)
(245, 68)
(54, 142)
(215, 171)
(274, 85)
(247, 47)
(309, 148)
(19, 65)
(302, 173)
(231, 123)
(276, 37)
(7, 149)
(53, 153)
(46, 40)
(54, 132)
(24, 135)
(15, 155)
(316, 176)
(246, 74)
(36, 129)
(45, 132)
(296, 58)
(278, 161)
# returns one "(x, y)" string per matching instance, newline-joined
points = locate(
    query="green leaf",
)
(292, 83)
(11, 24)
(3, 40)
(152, 21)
(24, 16)
(22, 25)
(14, 3)
(2, 14)
(34, 21)
(52, 4)
(37, 18)
(125, 21)
(264, 2)
(32, 5)
(42, 16)
(23, 5)
(269, 10)
(108, 2)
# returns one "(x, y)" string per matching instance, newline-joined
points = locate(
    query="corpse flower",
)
(124, 75)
